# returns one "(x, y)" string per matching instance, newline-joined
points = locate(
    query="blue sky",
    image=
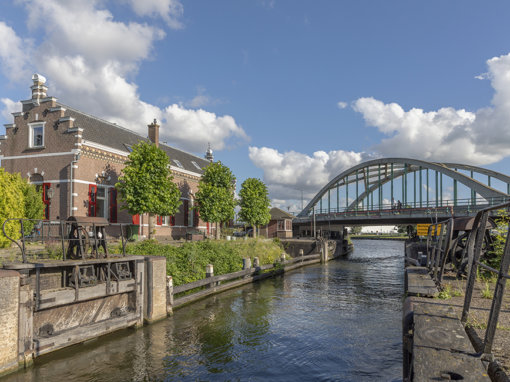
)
(291, 92)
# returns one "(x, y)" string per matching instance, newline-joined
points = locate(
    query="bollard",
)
(324, 252)
(282, 257)
(256, 262)
(301, 252)
(209, 272)
(169, 294)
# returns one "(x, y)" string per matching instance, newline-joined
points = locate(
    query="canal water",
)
(334, 322)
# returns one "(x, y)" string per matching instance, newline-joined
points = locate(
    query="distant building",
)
(79, 158)
(279, 226)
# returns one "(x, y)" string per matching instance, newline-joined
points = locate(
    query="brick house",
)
(279, 226)
(77, 158)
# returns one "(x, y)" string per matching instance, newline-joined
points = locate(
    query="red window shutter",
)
(186, 212)
(113, 205)
(136, 219)
(159, 220)
(46, 200)
(92, 199)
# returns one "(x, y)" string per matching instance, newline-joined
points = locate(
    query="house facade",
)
(279, 226)
(76, 159)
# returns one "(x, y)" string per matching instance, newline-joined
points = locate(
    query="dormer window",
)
(36, 135)
(196, 165)
(178, 163)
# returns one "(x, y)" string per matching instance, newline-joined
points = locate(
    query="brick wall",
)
(9, 300)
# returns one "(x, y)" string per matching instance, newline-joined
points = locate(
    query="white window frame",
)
(31, 127)
(104, 198)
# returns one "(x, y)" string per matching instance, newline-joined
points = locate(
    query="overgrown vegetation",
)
(499, 234)
(187, 263)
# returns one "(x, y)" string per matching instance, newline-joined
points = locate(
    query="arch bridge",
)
(405, 191)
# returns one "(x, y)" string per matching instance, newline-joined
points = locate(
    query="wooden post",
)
(169, 294)
(282, 257)
(209, 272)
(301, 252)
(256, 262)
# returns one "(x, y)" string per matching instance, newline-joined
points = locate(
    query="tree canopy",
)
(254, 202)
(215, 195)
(145, 185)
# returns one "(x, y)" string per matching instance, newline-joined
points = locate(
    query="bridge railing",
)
(431, 207)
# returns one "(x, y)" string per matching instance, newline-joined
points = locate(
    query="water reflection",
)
(335, 322)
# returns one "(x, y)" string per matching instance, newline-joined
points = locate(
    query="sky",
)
(289, 91)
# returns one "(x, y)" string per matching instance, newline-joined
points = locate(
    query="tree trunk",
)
(218, 236)
(254, 231)
(151, 225)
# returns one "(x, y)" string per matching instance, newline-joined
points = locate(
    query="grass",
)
(486, 291)
(445, 293)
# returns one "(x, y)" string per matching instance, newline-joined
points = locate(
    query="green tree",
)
(11, 206)
(34, 206)
(146, 186)
(356, 229)
(254, 203)
(215, 195)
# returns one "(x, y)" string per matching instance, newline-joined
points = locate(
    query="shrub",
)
(187, 263)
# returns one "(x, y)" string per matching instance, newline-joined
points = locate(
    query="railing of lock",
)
(90, 234)
(439, 240)
(474, 249)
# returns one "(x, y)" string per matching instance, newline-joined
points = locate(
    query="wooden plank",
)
(70, 263)
(83, 333)
(53, 298)
(441, 348)
(419, 282)
(235, 275)
(234, 284)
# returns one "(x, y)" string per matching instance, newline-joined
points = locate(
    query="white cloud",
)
(13, 53)
(196, 128)
(202, 99)
(447, 134)
(90, 61)
(342, 105)
(9, 106)
(170, 10)
(290, 173)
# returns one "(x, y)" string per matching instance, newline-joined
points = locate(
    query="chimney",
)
(38, 88)
(154, 132)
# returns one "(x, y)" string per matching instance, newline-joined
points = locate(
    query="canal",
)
(340, 321)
